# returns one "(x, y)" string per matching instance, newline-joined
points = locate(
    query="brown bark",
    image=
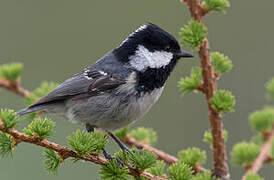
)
(65, 152)
(13, 87)
(263, 157)
(169, 159)
(221, 169)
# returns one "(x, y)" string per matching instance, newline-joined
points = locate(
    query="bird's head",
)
(150, 47)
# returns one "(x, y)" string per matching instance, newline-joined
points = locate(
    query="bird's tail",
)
(30, 110)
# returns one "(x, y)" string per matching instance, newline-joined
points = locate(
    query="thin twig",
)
(14, 87)
(263, 157)
(169, 159)
(209, 87)
(65, 152)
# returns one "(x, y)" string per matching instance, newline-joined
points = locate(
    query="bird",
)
(119, 88)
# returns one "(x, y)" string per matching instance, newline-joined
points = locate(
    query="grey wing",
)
(84, 84)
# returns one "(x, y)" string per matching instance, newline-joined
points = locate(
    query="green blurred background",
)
(57, 38)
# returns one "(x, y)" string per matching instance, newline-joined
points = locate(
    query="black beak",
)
(184, 54)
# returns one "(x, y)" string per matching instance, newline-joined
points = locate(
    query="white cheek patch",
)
(143, 59)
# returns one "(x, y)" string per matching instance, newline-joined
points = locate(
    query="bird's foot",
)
(139, 150)
(134, 150)
(110, 157)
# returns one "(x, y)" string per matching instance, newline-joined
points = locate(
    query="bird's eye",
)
(167, 48)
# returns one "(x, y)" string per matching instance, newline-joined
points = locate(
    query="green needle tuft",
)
(180, 171)
(193, 34)
(142, 160)
(203, 176)
(189, 84)
(40, 127)
(191, 156)
(223, 101)
(52, 161)
(86, 143)
(262, 120)
(221, 63)
(217, 5)
(6, 145)
(244, 153)
(158, 169)
(113, 171)
(146, 135)
(11, 71)
(9, 118)
(252, 176)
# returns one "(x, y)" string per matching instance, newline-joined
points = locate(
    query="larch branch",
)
(263, 157)
(13, 87)
(221, 169)
(65, 152)
(167, 158)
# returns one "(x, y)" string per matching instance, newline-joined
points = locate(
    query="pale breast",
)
(114, 109)
(135, 108)
(130, 105)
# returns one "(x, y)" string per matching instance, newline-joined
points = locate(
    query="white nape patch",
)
(86, 75)
(103, 73)
(143, 58)
(132, 34)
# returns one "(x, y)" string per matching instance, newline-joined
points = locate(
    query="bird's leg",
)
(119, 142)
(107, 155)
(110, 157)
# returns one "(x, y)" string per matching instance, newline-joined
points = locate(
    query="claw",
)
(110, 157)
(120, 162)
(139, 150)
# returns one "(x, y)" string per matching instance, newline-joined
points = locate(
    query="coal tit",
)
(120, 87)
